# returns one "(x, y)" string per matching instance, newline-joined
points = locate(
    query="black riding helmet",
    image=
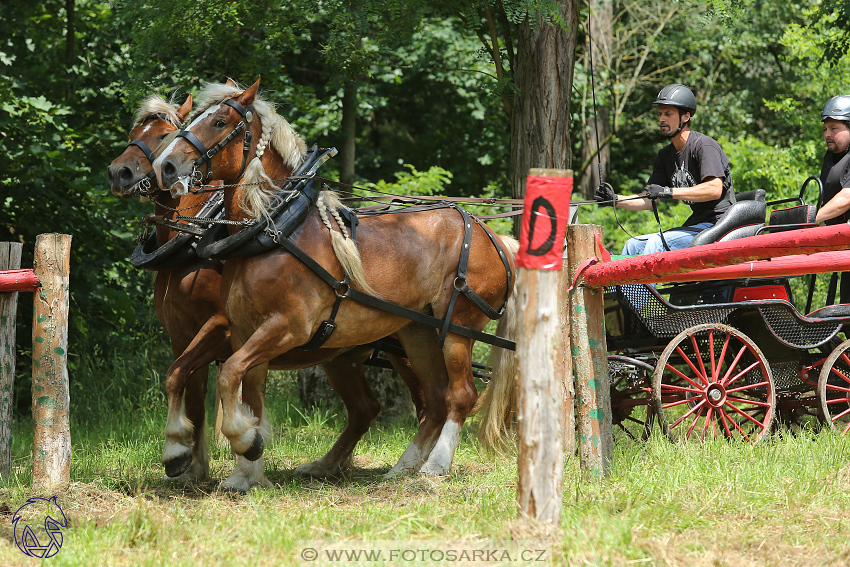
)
(679, 96)
(837, 108)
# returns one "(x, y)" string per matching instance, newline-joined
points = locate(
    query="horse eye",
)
(220, 123)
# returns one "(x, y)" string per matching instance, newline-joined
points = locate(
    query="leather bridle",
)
(207, 154)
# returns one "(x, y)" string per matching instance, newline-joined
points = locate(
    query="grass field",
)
(784, 502)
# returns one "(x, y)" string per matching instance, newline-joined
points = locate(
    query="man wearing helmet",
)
(692, 168)
(835, 173)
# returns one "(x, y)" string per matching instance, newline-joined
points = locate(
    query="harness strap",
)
(145, 149)
(392, 308)
(198, 145)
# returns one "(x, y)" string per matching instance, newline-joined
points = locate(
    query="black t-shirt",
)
(835, 176)
(700, 159)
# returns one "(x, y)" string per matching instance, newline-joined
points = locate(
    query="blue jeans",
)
(677, 238)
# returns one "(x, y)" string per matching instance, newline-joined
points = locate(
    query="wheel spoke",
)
(724, 418)
(721, 357)
(692, 410)
(698, 355)
(746, 415)
(681, 389)
(746, 401)
(839, 373)
(738, 427)
(688, 380)
(733, 364)
(840, 415)
(837, 400)
(691, 364)
(707, 420)
(741, 373)
(747, 387)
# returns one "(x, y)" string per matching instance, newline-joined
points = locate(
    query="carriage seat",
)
(840, 310)
(791, 218)
(744, 218)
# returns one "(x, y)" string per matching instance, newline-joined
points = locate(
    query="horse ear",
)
(230, 82)
(247, 97)
(184, 110)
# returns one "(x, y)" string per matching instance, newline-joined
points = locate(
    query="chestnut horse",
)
(275, 302)
(187, 299)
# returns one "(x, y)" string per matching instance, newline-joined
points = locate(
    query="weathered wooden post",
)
(565, 370)
(51, 451)
(10, 259)
(541, 345)
(590, 357)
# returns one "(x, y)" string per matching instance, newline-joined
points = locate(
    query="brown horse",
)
(187, 300)
(276, 303)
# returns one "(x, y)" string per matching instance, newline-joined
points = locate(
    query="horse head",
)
(208, 149)
(203, 150)
(131, 173)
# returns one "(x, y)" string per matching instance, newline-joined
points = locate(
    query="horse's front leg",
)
(240, 422)
(185, 449)
(249, 473)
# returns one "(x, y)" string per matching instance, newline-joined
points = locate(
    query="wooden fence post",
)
(565, 368)
(541, 345)
(51, 451)
(10, 259)
(590, 357)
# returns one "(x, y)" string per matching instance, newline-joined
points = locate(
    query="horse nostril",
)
(110, 176)
(168, 168)
(126, 175)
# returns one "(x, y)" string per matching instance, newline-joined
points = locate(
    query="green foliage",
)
(413, 182)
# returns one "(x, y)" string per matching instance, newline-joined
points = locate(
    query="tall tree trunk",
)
(540, 120)
(599, 42)
(70, 47)
(349, 132)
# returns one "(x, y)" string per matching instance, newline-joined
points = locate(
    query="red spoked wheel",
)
(834, 388)
(713, 381)
(631, 397)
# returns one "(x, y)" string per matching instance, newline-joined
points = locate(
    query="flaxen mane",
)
(155, 104)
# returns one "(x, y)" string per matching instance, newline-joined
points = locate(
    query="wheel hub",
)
(715, 395)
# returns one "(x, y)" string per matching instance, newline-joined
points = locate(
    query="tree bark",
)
(540, 120)
(10, 259)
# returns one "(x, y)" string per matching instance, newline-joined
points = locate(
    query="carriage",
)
(730, 358)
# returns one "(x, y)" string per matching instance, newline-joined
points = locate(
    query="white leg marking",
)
(178, 433)
(440, 460)
(409, 462)
(246, 476)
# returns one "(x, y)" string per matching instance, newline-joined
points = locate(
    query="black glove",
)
(658, 192)
(605, 195)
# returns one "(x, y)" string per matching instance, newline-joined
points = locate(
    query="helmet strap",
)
(681, 125)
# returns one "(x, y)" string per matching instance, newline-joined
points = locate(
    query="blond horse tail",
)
(344, 247)
(498, 402)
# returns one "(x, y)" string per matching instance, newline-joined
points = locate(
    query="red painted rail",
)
(736, 257)
(18, 280)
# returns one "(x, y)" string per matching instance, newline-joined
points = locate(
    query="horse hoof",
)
(178, 465)
(255, 451)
